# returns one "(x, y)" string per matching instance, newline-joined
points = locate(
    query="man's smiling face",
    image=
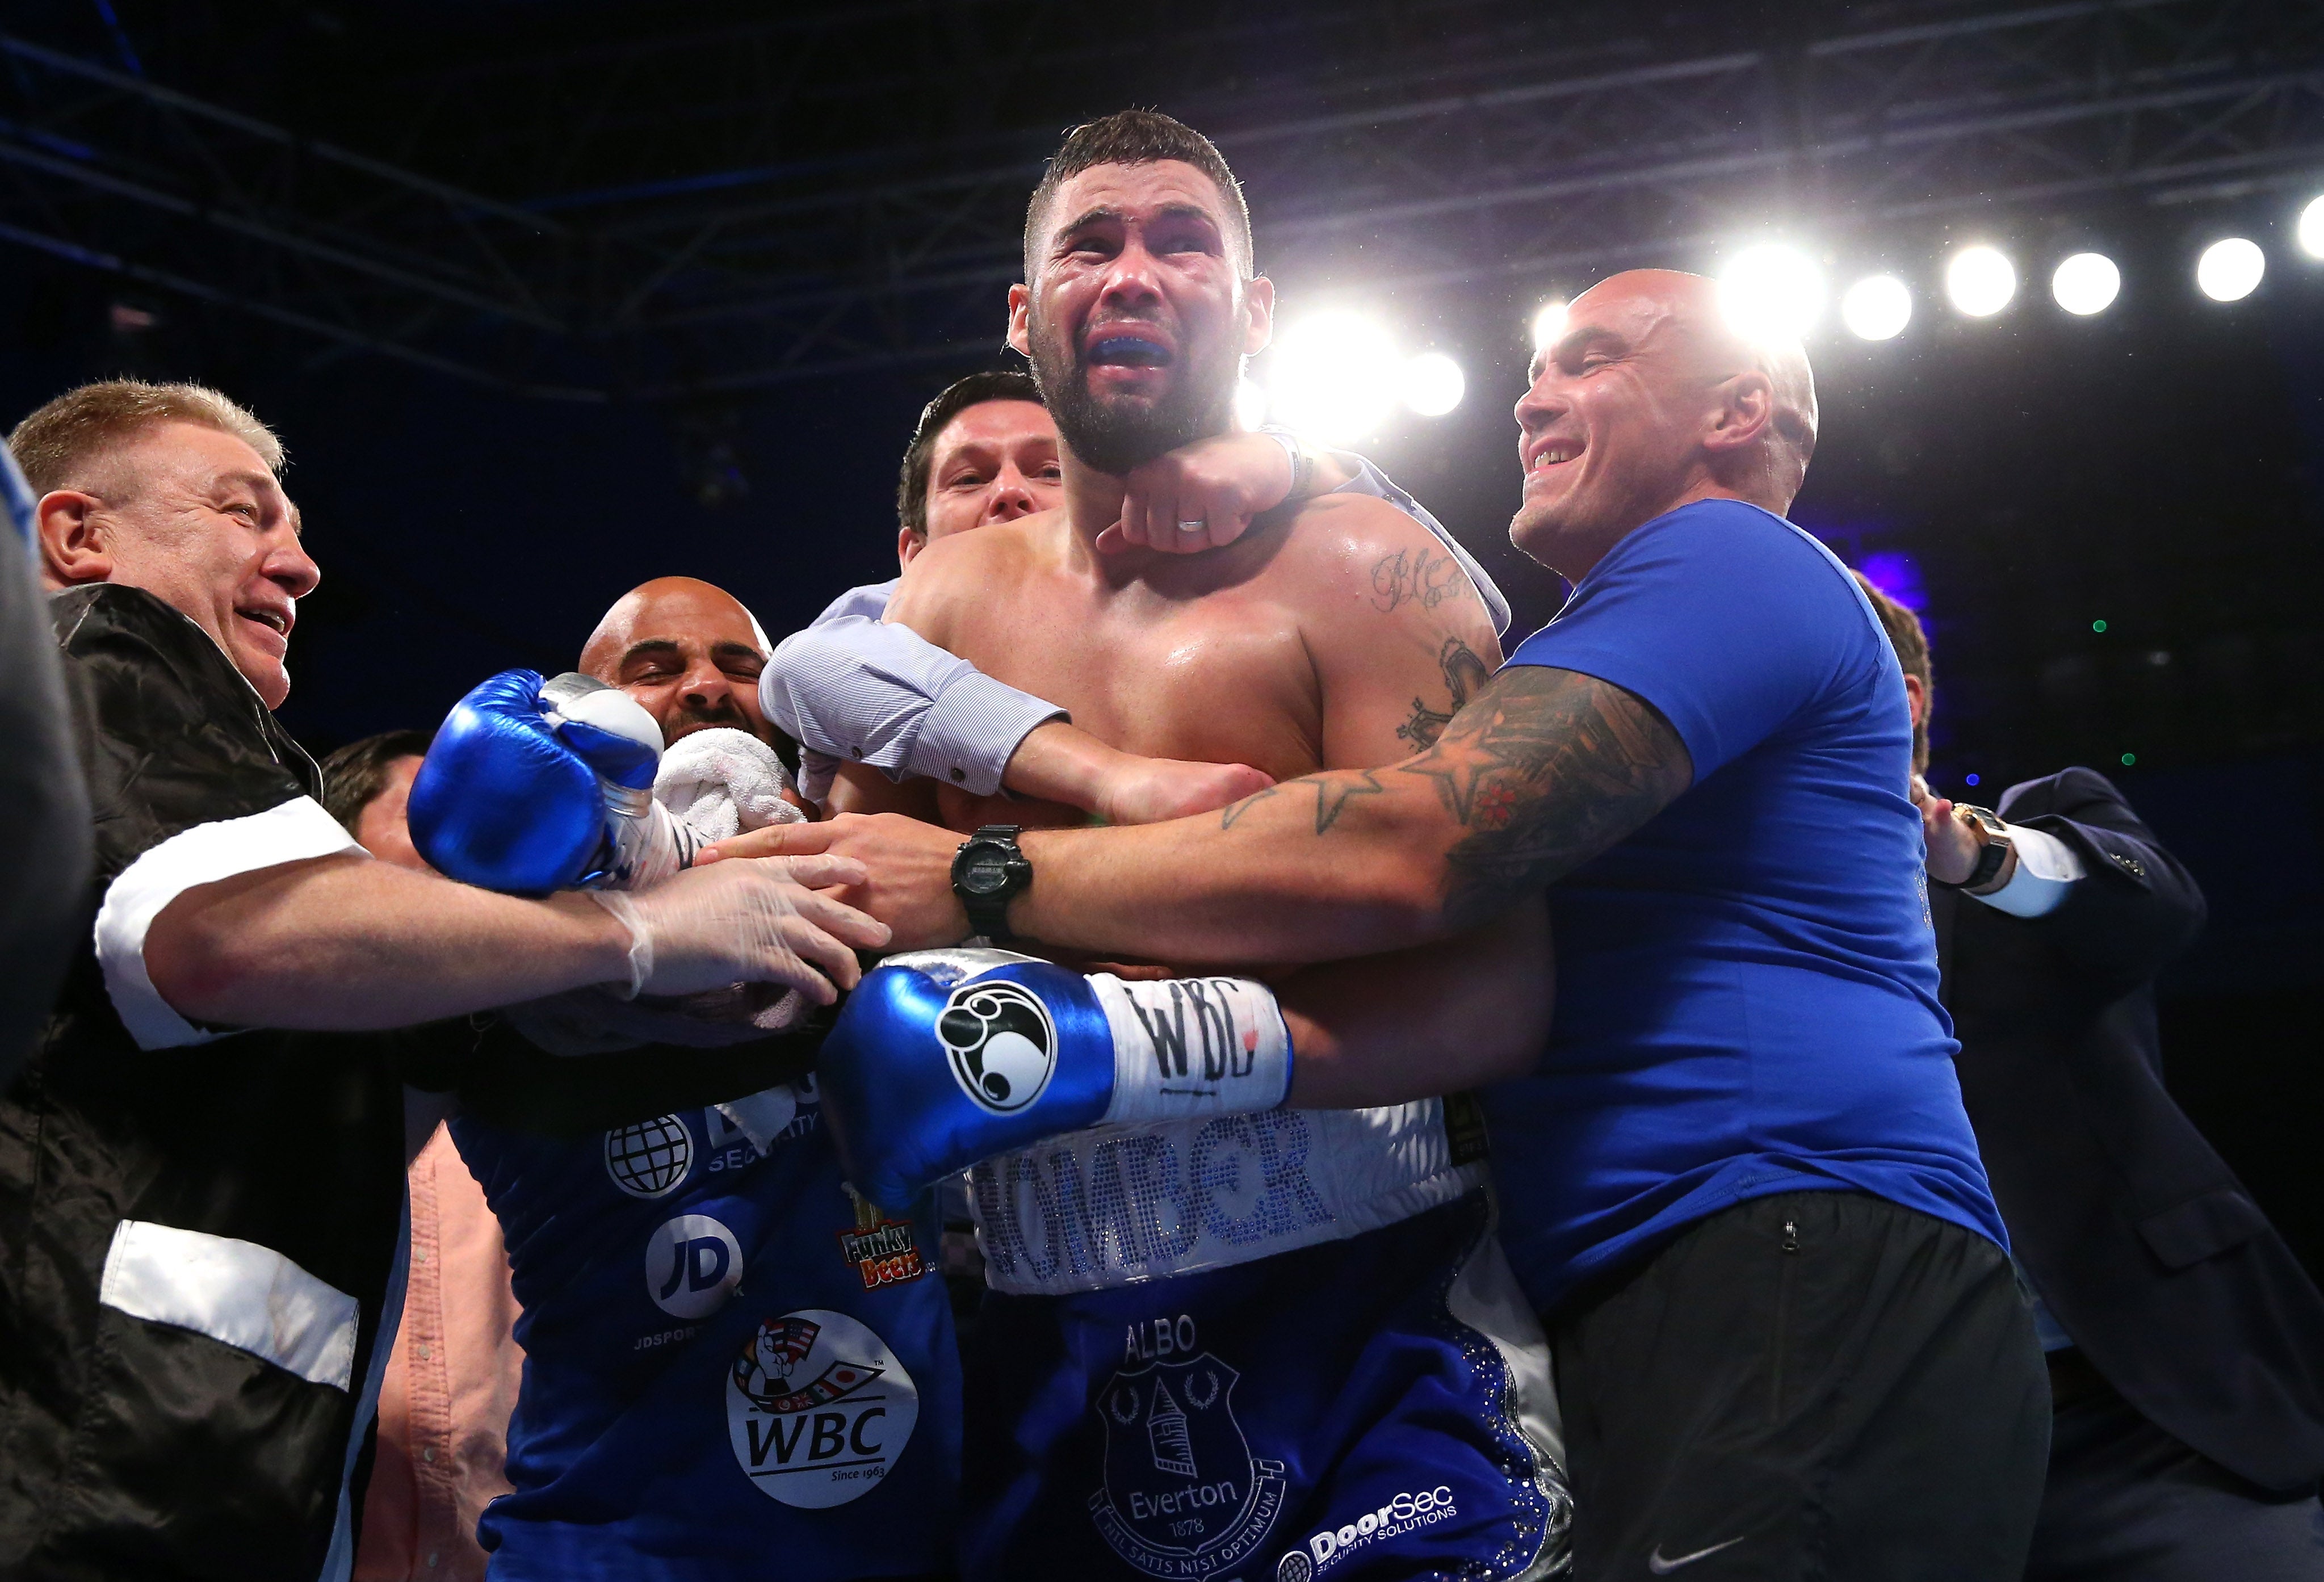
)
(199, 520)
(1138, 312)
(1607, 427)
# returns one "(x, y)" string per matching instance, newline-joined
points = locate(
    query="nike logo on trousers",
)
(1663, 1568)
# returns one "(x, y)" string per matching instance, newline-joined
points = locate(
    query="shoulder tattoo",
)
(1465, 676)
(1420, 577)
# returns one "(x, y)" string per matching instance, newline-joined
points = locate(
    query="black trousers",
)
(1818, 1384)
(2127, 1502)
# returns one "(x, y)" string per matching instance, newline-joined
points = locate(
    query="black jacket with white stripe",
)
(199, 1233)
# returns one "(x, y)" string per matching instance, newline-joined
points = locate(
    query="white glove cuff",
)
(649, 844)
(1194, 1047)
(642, 955)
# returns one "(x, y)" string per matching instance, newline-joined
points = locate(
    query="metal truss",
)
(843, 191)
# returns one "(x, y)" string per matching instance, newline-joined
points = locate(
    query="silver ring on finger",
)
(1194, 526)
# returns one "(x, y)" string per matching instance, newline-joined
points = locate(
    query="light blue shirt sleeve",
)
(854, 689)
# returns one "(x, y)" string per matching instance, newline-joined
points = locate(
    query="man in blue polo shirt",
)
(1741, 1186)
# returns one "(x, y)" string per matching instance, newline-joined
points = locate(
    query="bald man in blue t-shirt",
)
(1740, 1186)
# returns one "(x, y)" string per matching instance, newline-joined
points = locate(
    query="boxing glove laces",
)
(943, 1058)
(531, 787)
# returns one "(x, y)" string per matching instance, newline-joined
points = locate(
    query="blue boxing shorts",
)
(1275, 1346)
(731, 1369)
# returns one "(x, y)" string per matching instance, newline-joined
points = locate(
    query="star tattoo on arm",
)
(1543, 771)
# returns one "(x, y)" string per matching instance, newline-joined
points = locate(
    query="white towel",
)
(722, 781)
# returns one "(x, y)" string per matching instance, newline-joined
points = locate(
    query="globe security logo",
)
(648, 1160)
(1182, 1495)
(693, 1264)
(819, 1409)
(1001, 1044)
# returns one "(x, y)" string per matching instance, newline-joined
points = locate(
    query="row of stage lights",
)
(1340, 376)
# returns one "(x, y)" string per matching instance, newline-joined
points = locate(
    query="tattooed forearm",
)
(1421, 577)
(1333, 791)
(1465, 676)
(1543, 771)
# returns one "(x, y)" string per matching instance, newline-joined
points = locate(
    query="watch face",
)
(984, 876)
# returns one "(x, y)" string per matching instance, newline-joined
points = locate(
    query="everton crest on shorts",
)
(1372, 1407)
(731, 1363)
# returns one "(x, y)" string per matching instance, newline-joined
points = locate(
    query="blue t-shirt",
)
(1746, 986)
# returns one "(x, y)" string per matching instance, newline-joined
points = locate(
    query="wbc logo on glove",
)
(1001, 1044)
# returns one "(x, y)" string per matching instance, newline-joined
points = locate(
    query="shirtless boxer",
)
(1281, 1343)
(985, 451)
(727, 1366)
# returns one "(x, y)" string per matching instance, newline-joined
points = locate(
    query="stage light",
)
(1877, 308)
(1980, 281)
(2086, 283)
(1771, 293)
(2312, 228)
(2229, 270)
(1334, 377)
(1433, 384)
(1548, 324)
(1249, 404)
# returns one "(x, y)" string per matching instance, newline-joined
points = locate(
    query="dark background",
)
(2159, 467)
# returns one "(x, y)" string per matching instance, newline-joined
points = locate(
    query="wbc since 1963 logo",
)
(1000, 1040)
(1182, 1495)
(819, 1409)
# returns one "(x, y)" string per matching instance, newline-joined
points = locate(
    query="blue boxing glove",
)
(531, 787)
(943, 1058)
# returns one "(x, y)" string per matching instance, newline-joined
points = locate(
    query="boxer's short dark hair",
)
(999, 384)
(1911, 641)
(354, 776)
(1138, 137)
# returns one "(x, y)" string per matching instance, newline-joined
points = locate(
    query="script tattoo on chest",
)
(1465, 676)
(1417, 577)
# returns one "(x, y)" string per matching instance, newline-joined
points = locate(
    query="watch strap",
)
(1992, 852)
(988, 910)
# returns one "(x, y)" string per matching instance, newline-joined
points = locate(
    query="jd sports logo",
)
(1001, 1044)
(693, 1264)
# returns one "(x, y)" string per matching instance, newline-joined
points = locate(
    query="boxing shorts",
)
(1281, 1345)
(729, 1365)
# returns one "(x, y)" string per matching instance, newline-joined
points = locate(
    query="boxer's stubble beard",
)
(1116, 440)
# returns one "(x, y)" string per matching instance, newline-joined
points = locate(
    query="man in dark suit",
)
(2186, 1344)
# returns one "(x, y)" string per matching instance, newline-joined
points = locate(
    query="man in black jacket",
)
(2186, 1344)
(201, 1165)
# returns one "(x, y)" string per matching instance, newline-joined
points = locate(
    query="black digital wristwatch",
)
(988, 872)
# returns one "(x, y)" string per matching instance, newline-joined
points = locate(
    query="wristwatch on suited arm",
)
(988, 872)
(1993, 848)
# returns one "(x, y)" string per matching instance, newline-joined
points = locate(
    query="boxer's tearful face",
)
(994, 463)
(688, 652)
(1140, 313)
(198, 519)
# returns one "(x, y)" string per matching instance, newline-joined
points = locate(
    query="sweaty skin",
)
(1306, 644)
(1280, 651)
